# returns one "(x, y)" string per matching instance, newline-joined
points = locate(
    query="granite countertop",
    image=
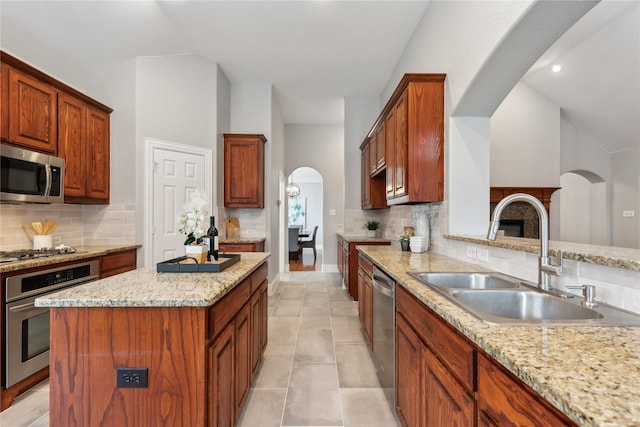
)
(83, 252)
(360, 238)
(610, 256)
(242, 239)
(147, 288)
(591, 374)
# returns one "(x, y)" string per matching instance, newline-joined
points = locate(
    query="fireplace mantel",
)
(541, 193)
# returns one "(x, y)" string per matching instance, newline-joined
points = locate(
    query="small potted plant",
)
(193, 223)
(371, 227)
(404, 242)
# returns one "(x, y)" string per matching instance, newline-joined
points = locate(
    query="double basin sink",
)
(500, 299)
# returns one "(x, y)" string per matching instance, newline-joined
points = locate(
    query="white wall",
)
(525, 140)
(277, 227)
(321, 147)
(579, 151)
(176, 101)
(312, 191)
(625, 195)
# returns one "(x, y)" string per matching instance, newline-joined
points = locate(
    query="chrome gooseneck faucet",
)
(545, 268)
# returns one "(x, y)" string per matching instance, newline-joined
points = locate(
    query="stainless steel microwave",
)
(30, 177)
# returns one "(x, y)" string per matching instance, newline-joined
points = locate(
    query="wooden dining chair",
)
(311, 243)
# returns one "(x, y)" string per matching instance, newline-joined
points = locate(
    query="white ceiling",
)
(315, 53)
(598, 88)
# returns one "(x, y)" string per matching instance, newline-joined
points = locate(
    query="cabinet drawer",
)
(117, 263)
(365, 264)
(506, 400)
(237, 247)
(259, 276)
(453, 350)
(224, 310)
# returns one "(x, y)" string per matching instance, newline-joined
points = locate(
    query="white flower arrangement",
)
(192, 221)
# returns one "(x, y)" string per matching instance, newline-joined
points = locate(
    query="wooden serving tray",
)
(186, 264)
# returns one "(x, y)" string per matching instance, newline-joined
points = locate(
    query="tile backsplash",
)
(77, 224)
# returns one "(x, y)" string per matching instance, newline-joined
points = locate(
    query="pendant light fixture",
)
(293, 190)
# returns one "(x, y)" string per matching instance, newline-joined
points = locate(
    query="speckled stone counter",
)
(360, 238)
(83, 252)
(592, 374)
(147, 288)
(626, 258)
(242, 240)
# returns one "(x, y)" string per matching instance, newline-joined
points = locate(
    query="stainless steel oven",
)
(27, 326)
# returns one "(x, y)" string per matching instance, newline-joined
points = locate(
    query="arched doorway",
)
(583, 201)
(305, 212)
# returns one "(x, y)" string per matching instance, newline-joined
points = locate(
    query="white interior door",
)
(176, 172)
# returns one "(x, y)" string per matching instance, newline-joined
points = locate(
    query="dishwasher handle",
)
(383, 283)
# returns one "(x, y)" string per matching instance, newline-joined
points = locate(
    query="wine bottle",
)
(212, 234)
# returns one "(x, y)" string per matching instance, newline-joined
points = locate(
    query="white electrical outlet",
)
(471, 252)
(332, 212)
(56, 240)
(483, 255)
(251, 232)
(628, 214)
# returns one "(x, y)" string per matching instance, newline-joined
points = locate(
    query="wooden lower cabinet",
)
(410, 365)
(241, 247)
(444, 379)
(200, 360)
(221, 381)
(118, 262)
(349, 262)
(365, 303)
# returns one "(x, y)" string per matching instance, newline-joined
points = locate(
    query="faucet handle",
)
(589, 294)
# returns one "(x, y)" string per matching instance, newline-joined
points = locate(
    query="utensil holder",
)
(42, 241)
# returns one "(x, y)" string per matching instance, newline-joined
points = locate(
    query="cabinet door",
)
(367, 302)
(72, 122)
(372, 152)
(221, 372)
(410, 385)
(390, 155)
(380, 146)
(242, 357)
(339, 256)
(264, 324)
(365, 179)
(97, 155)
(400, 160)
(244, 171)
(33, 112)
(256, 330)
(361, 307)
(447, 401)
(4, 101)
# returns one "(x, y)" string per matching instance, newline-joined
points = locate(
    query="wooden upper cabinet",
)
(97, 155)
(72, 133)
(83, 141)
(413, 140)
(45, 115)
(380, 147)
(32, 113)
(372, 153)
(372, 187)
(244, 170)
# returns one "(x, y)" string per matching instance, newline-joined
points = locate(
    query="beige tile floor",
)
(316, 370)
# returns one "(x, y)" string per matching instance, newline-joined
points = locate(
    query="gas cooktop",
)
(28, 254)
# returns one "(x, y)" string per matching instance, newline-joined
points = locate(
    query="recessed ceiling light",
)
(556, 68)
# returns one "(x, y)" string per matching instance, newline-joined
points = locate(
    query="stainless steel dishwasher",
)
(384, 347)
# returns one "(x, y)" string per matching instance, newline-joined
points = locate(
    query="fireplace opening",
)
(512, 227)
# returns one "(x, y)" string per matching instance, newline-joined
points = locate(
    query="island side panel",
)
(88, 344)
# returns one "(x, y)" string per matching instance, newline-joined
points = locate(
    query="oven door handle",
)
(22, 307)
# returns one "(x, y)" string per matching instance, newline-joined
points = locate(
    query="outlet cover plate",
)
(132, 377)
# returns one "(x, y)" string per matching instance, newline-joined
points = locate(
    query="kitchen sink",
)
(467, 280)
(523, 305)
(499, 299)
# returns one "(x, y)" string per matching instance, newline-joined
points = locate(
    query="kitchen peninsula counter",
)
(82, 253)
(591, 374)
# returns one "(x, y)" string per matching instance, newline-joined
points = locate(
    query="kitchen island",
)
(590, 374)
(148, 348)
